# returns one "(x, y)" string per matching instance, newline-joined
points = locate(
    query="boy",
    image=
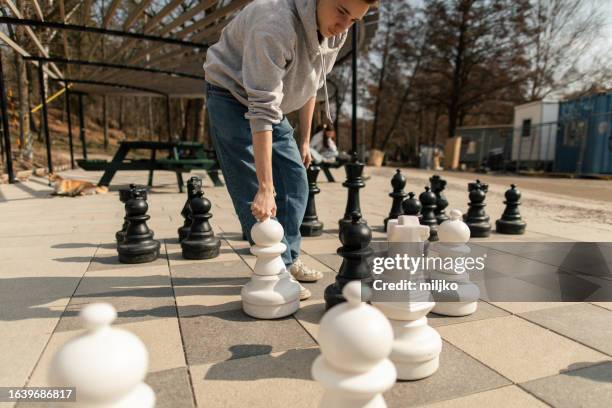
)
(271, 60)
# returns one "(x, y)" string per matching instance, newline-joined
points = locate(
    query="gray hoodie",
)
(270, 59)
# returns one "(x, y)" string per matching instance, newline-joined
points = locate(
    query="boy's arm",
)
(306, 113)
(264, 205)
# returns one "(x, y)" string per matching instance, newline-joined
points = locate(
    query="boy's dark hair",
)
(372, 2)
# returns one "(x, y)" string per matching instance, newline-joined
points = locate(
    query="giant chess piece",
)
(416, 345)
(124, 195)
(412, 206)
(138, 245)
(398, 182)
(438, 184)
(201, 242)
(194, 184)
(355, 250)
(454, 236)
(353, 367)
(428, 200)
(311, 226)
(354, 182)
(106, 365)
(272, 292)
(476, 218)
(511, 221)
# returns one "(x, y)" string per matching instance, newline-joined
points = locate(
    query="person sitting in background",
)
(322, 145)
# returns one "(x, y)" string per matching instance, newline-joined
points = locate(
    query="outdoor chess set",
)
(365, 348)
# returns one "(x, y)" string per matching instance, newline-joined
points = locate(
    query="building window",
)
(575, 130)
(526, 129)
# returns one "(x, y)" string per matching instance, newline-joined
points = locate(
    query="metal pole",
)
(45, 118)
(168, 118)
(354, 94)
(105, 119)
(82, 126)
(70, 141)
(5, 127)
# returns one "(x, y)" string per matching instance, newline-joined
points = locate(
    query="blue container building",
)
(584, 139)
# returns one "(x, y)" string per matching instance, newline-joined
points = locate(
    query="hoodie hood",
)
(307, 12)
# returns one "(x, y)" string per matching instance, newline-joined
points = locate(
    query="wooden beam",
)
(38, 10)
(135, 14)
(110, 13)
(23, 52)
(33, 36)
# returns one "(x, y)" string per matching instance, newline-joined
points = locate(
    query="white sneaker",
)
(302, 273)
(304, 293)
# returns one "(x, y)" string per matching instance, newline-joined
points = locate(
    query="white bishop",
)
(106, 365)
(272, 292)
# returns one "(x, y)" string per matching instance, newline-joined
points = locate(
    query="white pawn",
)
(272, 292)
(416, 345)
(355, 341)
(453, 236)
(106, 365)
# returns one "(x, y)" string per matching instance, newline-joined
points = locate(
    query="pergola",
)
(158, 49)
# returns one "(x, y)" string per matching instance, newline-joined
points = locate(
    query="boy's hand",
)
(305, 153)
(264, 204)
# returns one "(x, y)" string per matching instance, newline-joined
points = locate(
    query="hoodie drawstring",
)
(327, 112)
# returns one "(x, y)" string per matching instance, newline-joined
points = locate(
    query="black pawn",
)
(398, 182)
(428, 200)
(311, 226)
(124, 195)
(201, 242)
(412, 206)
(476, 218)
(355, 250)
(438, 184)
(193, 185)
(511, 221)
(138, 245)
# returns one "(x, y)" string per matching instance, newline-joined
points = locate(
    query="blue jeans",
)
(233, 141)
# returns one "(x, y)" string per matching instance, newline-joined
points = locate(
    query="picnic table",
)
(182, 157)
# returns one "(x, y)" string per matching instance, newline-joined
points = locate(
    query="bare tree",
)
(565, 31)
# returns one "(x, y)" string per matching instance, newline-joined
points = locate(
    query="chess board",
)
(205, 352)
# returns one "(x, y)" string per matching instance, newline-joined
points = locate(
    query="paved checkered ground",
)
(58, 254)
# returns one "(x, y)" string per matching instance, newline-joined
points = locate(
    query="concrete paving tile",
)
(172, 388)
(231, 334)
(315, 264)
(175, 257)
(26, 339)
(332, 261)
(132, 305)
(321, 246)
(110, 260)
(585, 323)
(606, 305)
(458, 375)
(589, 387)
(200, 273)
(484, 311)
(161, 338)
(504, 397)
(271, 380)
(211, 297)
(309, 315)
(522, 307)
(517, 349)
